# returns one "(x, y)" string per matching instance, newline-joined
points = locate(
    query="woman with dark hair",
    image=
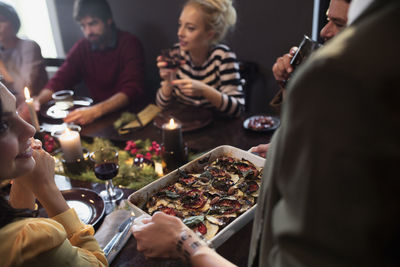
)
(21, 61)
(62, 240)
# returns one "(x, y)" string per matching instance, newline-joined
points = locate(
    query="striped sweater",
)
(220, 71)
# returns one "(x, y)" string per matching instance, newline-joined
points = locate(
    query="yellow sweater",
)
(60, 241)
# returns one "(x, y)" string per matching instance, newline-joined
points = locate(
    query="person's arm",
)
(50, 241)
(32, 68)
(229, 97)
(128, 87)
(166, 236)
(88, 114)
(43, 97)
(3, 71)
(21, 194)
(131, 75)
(39, 183)
(68, 75)
(261, 150)
(164, 93)
(195, 88)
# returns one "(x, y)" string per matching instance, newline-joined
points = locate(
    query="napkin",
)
(142, 119)
(109, 228)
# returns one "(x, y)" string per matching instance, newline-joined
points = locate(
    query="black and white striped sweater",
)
(220, 71)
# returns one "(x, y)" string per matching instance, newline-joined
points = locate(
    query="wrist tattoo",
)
(187, 244)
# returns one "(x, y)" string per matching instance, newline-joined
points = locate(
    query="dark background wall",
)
(265, 30)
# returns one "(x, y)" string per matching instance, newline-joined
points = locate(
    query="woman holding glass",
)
(62, 240)
(208, 73)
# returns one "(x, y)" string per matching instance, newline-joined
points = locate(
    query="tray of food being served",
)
(215, 194)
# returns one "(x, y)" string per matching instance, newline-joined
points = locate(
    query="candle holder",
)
(174, 159)
(78, 166)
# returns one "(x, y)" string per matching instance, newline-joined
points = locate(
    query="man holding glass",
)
(108, 60)
(282, 69)
(336, 22)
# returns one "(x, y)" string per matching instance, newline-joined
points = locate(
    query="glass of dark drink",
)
(105, 168)
(173, 60)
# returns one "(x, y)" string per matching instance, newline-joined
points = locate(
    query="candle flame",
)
(27, 94)
(171, 123)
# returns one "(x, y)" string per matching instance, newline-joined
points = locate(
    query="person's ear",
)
(210, 34)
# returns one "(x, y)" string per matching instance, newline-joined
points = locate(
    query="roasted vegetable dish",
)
(209, 200)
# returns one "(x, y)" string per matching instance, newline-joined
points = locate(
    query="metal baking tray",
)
(138, 199)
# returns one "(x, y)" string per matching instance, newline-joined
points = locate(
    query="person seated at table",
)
(209, 73)
(337, 21)
(21, 61)
(108, 60)
(330, 197)
(62, 240)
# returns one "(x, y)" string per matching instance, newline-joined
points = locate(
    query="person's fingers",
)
(179, 82)
(36, 144)
(279, 69)
(293, 50)
(162, 64)
(275, 71)
(73, 116)
(286, 64)
(139, 245)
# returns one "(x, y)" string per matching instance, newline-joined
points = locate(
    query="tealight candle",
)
(172, 136)
(31, 107)
(71, 145)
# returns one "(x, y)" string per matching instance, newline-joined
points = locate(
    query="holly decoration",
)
(143, 151)
(49, 143)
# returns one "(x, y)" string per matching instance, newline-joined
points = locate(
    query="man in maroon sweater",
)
(109, 61)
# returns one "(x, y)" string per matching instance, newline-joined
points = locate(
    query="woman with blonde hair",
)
(207, 74)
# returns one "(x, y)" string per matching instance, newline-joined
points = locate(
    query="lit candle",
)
(31, 107)
(71, 145)
(172, 136)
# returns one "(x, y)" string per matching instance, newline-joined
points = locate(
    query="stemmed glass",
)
(105, 168)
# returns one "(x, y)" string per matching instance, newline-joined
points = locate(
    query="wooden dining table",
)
(220, 131)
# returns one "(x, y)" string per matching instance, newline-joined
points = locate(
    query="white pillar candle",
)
(31, 107)
(71, 145)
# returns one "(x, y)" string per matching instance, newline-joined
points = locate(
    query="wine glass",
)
(105, 168)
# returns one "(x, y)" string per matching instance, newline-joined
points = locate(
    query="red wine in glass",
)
(105, 168)
(106, 171)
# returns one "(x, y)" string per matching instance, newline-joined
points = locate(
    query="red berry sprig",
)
(143, 152)
(49, 143)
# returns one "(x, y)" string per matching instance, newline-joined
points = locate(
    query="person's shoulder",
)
(222, 47)
(127, 37)
(28, 44)
(81, 44)
(222, 51)
(27, 238)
